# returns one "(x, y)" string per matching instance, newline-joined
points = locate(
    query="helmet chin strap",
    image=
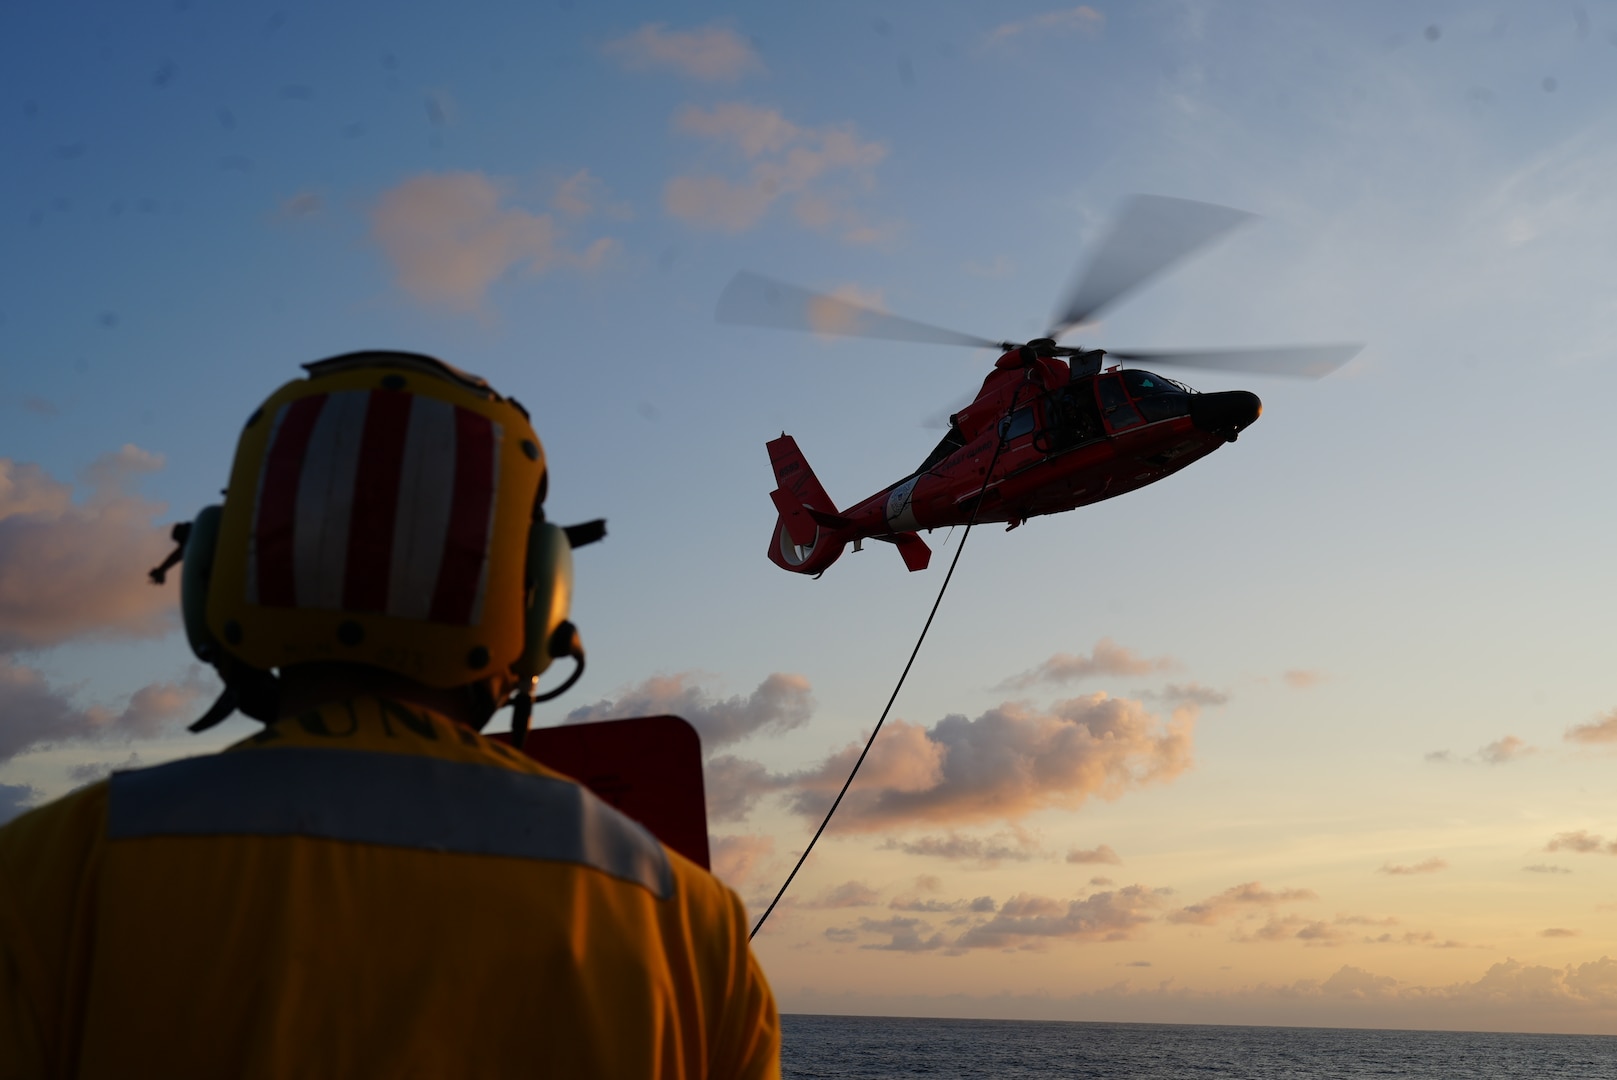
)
(522, 714)
(254, 693)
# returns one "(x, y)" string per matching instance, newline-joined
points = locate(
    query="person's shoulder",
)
(703, 894)
(56, 830)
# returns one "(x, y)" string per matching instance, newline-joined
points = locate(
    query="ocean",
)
(883, 1046)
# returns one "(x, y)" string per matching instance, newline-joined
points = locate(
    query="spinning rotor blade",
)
(1152, 233)
(1299, 361)
(754, 300)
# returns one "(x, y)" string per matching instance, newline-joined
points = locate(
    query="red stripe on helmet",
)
(466, 546)
(375, 503)
(278, 500)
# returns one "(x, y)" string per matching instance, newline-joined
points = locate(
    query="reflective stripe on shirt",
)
(396, 800)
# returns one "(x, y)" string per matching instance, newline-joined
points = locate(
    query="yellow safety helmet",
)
(384, 511)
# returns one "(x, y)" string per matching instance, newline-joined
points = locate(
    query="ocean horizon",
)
(824, 1046)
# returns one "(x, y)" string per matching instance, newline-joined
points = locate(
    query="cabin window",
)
(1019, 423)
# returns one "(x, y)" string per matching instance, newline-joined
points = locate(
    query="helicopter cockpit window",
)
(1158, 398)
(1144, 384)
(1018, 424)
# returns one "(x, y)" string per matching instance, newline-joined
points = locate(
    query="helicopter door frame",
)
(1117, 409)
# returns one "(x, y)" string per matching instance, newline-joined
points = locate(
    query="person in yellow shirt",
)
(368, 886)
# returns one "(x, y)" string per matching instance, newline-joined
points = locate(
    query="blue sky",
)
(1378, 615)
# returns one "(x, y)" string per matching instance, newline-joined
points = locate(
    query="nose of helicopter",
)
(1226, 413)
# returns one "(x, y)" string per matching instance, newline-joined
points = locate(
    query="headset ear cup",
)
(550, 593)
(195, 572)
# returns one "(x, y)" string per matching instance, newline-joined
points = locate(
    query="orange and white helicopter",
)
(1050, 430)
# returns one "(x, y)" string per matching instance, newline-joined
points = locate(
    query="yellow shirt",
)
(366, 890)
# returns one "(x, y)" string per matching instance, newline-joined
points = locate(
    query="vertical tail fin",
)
(800, 544)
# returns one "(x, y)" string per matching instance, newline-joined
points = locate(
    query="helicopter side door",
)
(1115, 406)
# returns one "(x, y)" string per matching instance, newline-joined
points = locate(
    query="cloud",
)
(305, 204)
(1194, 694)
(848, 894)
(16, 799)
(1504, 751)
(1546, 868)
(990, 851)
(90, 772)
(1509, 996)
(1107, 658)
(1439, 757)
(980, 905)
(38, 714)
(1559, 932)
(1236, 899)
(1105, 916)
(1315, 932)
(1426, 866)
(780, 703)
(1299, 679)
(710, 54)
(1009, 762)
(1101, 854)
(734, 785)
(72, 570)
(451, 236)
(1601, 730)
(816, 171)
(738, 860)
(583, 194)
(904, 933)
(1083, 19)
(826, 316)
(1582, 842)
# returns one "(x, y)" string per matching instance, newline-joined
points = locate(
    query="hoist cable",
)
(975, 510)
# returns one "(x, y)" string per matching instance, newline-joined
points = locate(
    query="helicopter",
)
(1051, 429)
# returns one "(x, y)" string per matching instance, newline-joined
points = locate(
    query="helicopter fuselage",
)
(1041, 437)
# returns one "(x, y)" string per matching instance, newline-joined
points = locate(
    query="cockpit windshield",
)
(1146, 384)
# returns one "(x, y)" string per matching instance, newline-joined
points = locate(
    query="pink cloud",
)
(1106, 658)
(782, 702)
(1299, 679)
(1425, 866)
(816, 171)
(1083, 19)
(1504, 751)
(710, 54)
(738, 860)
(1582, 842)
(1009, 762)
(989, 851)
(1101, 854)
(72, 570)
(848, 894)
(1105, 916)
(451, 236)
(1601, 730)
(38, 714)
(1236, 899)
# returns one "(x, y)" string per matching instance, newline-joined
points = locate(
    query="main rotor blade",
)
(754, 300)
(1151, 234)
(1298, 361)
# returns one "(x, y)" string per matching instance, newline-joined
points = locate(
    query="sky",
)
(1318, 731)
